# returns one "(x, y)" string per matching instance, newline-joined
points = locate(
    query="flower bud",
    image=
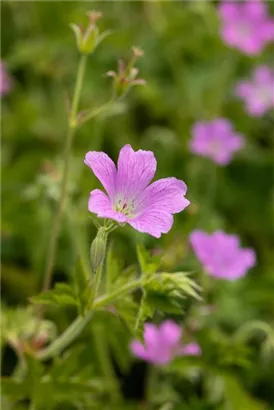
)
(98, 249)
(126, 76)
(87, 40)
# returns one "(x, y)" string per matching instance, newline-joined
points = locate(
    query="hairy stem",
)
(140, 313)
(65, 338)
(80, 322)
(63, 189)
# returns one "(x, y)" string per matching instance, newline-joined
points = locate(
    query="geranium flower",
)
(162, 344)
(221, 254)
(130, 198)
(216, 140)
(258, 94)
(246, 25)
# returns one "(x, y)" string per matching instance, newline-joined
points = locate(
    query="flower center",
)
(125, 207)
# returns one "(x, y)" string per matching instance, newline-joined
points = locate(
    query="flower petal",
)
(99, 203)
(167, 195)
(152, 222)
(138, 350)
(151, 336)
(191, 349)
(135, 171)
(103, 168)
(159, 201)
(171, 333)
(202, 245)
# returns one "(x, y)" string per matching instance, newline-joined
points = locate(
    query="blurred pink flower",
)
(246, 25)
(221, 255)
(5, 80)
(130, 198)
(258, 94)
(216, 140)
(162, 344)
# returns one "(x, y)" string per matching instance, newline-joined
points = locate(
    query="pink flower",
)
(5, 80)
(162, 344)
(246, 25)
(216, 140)
(221, 255)
(258, 94)
(130, 198)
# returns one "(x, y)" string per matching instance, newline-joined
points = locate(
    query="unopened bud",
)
(138, 52)
(87, 40)
(94, 16)
(98, 249)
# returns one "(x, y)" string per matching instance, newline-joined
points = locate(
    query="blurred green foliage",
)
(190, 76)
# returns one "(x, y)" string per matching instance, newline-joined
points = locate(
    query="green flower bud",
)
(98, 249)
(87, 40)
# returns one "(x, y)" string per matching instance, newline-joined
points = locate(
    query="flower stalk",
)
(63, 189)
(80, 322)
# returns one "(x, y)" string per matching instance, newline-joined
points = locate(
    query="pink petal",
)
(229, 11)
(256, 107)
(201, 244)
(230, 34)
(167, 194)
(171, 333)
(191, 349)
(254, 9)
(244, 89)
(221, 126)
(222, 157)
(152, 222)
(138, 350)
(151, 336)
(251, 45)
(264, 76)
(99, 203)
(249, 257)
(135, 171)
(103, 168)
(159, 201)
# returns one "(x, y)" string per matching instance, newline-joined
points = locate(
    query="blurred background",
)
(190, 75)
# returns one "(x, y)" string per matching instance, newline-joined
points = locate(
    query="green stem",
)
(65, 338)
(80, 322)
(105, 362)
(106, 300)
(97, 280)
(140, 313)
(96, 111)
(78, 241)
(68, 144)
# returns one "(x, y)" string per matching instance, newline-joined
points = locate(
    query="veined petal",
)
(152, 222)
(157, 204)
(167, 194)
(103, 168)
(135, 171)
(100, 204)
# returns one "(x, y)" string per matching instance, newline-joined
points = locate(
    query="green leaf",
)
(82, 288)
(167, 291)
(148, 264)
(14, 388)
(62, 294)
(237, 398)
